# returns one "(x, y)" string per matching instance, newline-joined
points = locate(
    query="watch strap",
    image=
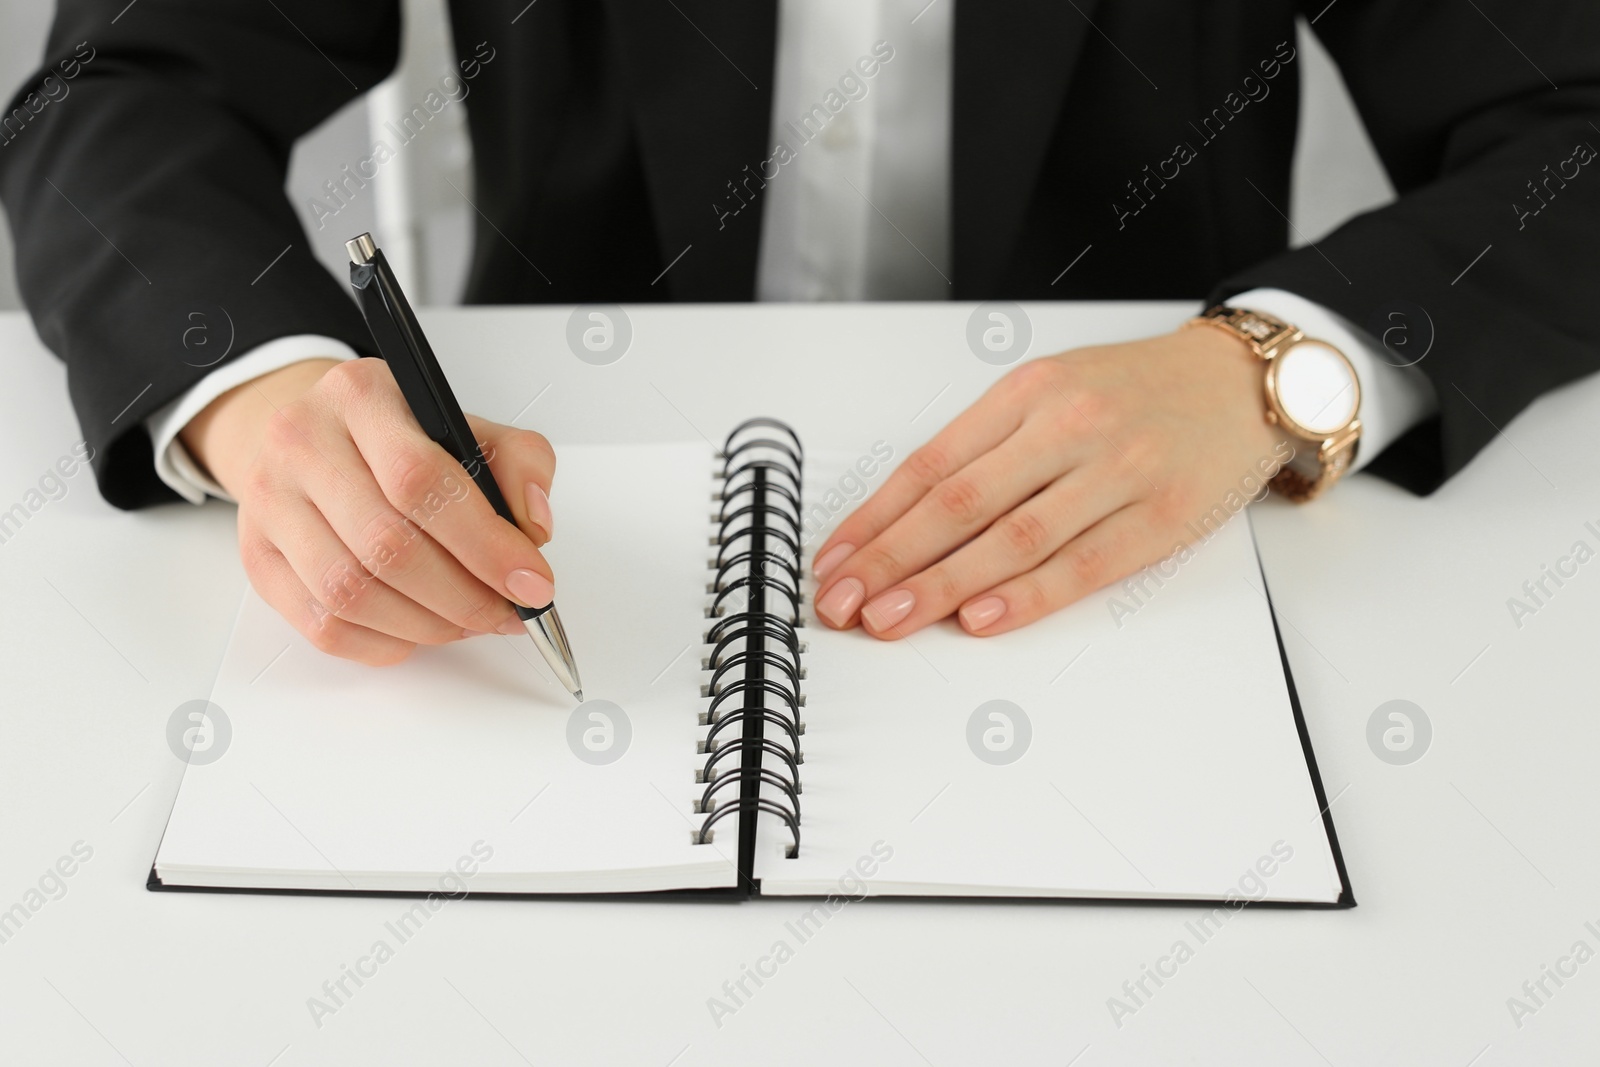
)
(1333, 462)
(1265, 334)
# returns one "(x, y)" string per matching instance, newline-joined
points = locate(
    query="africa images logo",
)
(198, 732)
(999, 732)
(599, 732)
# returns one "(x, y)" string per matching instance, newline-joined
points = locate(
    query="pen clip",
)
(403, 347)
(393, 349)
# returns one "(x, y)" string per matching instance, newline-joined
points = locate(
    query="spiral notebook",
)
(1143, 745)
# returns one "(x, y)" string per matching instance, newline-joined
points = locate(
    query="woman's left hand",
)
(1070, 473)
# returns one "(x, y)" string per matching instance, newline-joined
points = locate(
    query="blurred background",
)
(423, 223)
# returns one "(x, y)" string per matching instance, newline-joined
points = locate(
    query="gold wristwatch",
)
(1312, 394)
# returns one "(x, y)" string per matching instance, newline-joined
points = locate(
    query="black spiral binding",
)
(753, 725)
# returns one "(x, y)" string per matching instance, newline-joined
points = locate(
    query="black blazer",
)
(606, 134)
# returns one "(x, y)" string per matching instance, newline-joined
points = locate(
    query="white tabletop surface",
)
(1474, 867)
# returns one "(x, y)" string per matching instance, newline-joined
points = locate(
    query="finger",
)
(975, 431)
(275, 580)
(1015, 544)
(956, 510)
(339, 582)
(1108, 551)
(524, 466)
(395, 548)
(416, 475)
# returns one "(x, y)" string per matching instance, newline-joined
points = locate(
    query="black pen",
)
(403, 347)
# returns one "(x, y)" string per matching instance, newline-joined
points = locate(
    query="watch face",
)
(1316, 387)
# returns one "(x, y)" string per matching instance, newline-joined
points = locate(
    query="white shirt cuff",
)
(1393, 398)
(174, 465)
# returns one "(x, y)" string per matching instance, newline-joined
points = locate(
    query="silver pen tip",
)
(551, 638)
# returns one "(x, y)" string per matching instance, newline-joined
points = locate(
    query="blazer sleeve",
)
(1488, 130)
(142, 169)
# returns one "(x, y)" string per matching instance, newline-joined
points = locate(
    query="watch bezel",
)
(1281, 414)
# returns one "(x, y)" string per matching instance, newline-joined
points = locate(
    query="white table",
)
(1474, 867)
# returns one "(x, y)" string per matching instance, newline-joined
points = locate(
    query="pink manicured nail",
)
(842, 601)
(512, 627)
(830, 559)
(982, 613)
(539, 510)
(530, 589)
(887, 610)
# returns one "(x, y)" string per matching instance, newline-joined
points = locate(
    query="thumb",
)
(523, 465)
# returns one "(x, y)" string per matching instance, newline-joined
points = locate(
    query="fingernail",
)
(539, 510)
(981, 613)
(530, 589)
(830, 559)
(512, 627)
(887, 610)
(467, 632)
(842, 601)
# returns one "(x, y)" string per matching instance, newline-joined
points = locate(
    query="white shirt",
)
(859, 212)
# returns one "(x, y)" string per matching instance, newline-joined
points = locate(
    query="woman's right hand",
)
(360, 530)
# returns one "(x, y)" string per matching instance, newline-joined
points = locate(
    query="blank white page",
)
(1164, 760)
(341, 776)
